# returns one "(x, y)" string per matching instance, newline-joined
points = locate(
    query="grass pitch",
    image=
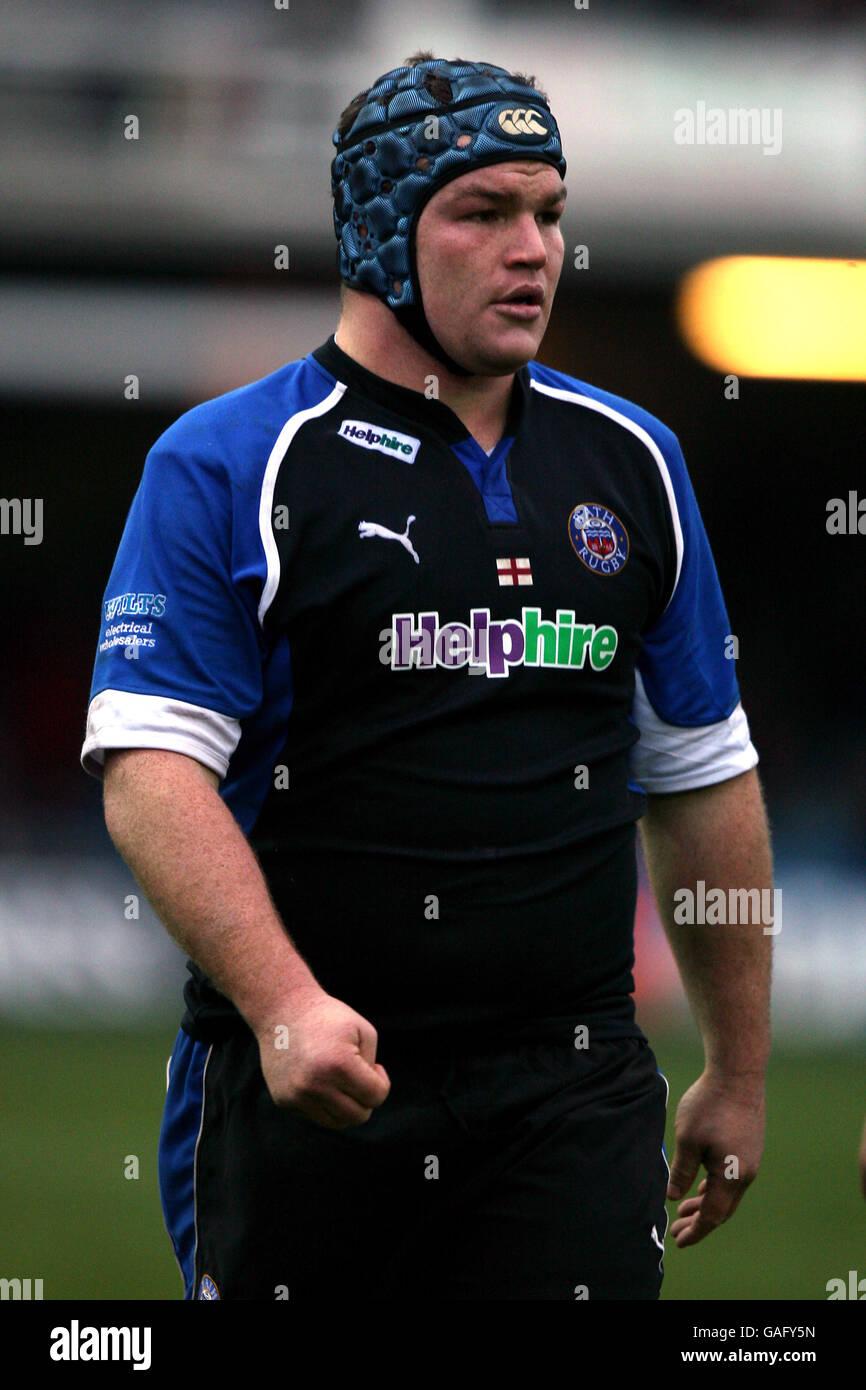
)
(82, 1110)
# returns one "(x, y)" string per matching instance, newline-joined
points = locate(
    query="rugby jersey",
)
(437, 683)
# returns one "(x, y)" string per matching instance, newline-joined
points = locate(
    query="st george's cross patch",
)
(511, 571)
(599, 537)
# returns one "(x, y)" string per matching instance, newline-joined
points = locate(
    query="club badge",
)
(598, 537)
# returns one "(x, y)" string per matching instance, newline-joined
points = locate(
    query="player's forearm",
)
(192, 860)
(717, 835)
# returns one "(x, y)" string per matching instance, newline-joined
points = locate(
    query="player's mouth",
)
(524, 302)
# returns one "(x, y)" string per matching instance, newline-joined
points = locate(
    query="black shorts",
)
(532, 1170)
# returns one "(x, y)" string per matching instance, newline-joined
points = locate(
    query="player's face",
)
(485, 237)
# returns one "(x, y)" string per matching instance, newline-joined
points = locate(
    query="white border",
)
(682, 758)
(195, 1175)
(129, 719)
(269, 482)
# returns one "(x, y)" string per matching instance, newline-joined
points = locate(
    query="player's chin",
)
(512, 351)
(501, 350)
(515, 334)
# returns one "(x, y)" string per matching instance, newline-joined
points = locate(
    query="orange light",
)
(777, 316)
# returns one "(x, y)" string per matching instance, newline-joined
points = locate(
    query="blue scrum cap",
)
(419, 128)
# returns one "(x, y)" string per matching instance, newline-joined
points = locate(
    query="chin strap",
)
(414, 320)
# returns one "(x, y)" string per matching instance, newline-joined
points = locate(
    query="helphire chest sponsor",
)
(420, 642)
(402, 446)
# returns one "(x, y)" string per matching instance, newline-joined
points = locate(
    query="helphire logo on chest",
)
(400, 446)
(420, 642)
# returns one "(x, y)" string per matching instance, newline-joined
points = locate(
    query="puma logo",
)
(368, 529)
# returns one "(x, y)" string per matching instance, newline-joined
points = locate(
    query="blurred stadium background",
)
(154, 257)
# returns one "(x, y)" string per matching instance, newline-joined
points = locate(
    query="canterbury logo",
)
(522, 120)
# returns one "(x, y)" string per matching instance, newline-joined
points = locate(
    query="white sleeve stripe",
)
(640, 433)
(122, 719)
(669, 758)
(269, 482)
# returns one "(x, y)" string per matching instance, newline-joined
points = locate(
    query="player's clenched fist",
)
(322, 1062)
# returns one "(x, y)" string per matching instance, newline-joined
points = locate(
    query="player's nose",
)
(526, 244)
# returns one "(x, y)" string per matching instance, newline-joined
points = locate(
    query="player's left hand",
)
(720, 1125)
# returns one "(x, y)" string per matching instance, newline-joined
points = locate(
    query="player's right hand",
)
(321, 1061)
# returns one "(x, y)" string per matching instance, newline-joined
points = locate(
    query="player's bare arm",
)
(718, 834)
(166, 817)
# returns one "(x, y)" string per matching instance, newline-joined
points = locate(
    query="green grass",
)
(75, 1105)
(803, 1220)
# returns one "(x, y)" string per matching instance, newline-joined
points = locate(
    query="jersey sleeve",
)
(693, 729)
(179, 659)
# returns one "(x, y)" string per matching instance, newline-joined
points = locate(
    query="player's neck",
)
(385, 348)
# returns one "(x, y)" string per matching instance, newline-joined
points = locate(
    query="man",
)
(402, 612)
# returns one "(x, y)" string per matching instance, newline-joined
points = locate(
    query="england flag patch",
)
(514, 571)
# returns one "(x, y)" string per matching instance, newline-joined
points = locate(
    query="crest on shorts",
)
(207, 1288)
(599, 537)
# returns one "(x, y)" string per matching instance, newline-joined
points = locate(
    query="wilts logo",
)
(598, 537)
(154, 604)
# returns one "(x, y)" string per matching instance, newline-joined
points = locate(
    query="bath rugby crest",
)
(396, 671)
(599, 538)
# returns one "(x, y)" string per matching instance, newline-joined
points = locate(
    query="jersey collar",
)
(414, 405)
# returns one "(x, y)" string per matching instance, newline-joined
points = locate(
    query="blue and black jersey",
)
(437, 683)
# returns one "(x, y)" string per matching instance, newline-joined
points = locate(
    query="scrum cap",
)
(419, 128)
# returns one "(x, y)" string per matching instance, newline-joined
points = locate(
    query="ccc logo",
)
(522, 120)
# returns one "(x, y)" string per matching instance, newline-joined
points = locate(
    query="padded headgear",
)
(395, 157)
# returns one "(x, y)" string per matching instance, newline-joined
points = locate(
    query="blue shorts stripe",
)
(178, 1140)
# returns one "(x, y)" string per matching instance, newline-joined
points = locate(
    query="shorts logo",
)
(207, 1288)
(402, 446)
(522, 120)
(598, 537)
